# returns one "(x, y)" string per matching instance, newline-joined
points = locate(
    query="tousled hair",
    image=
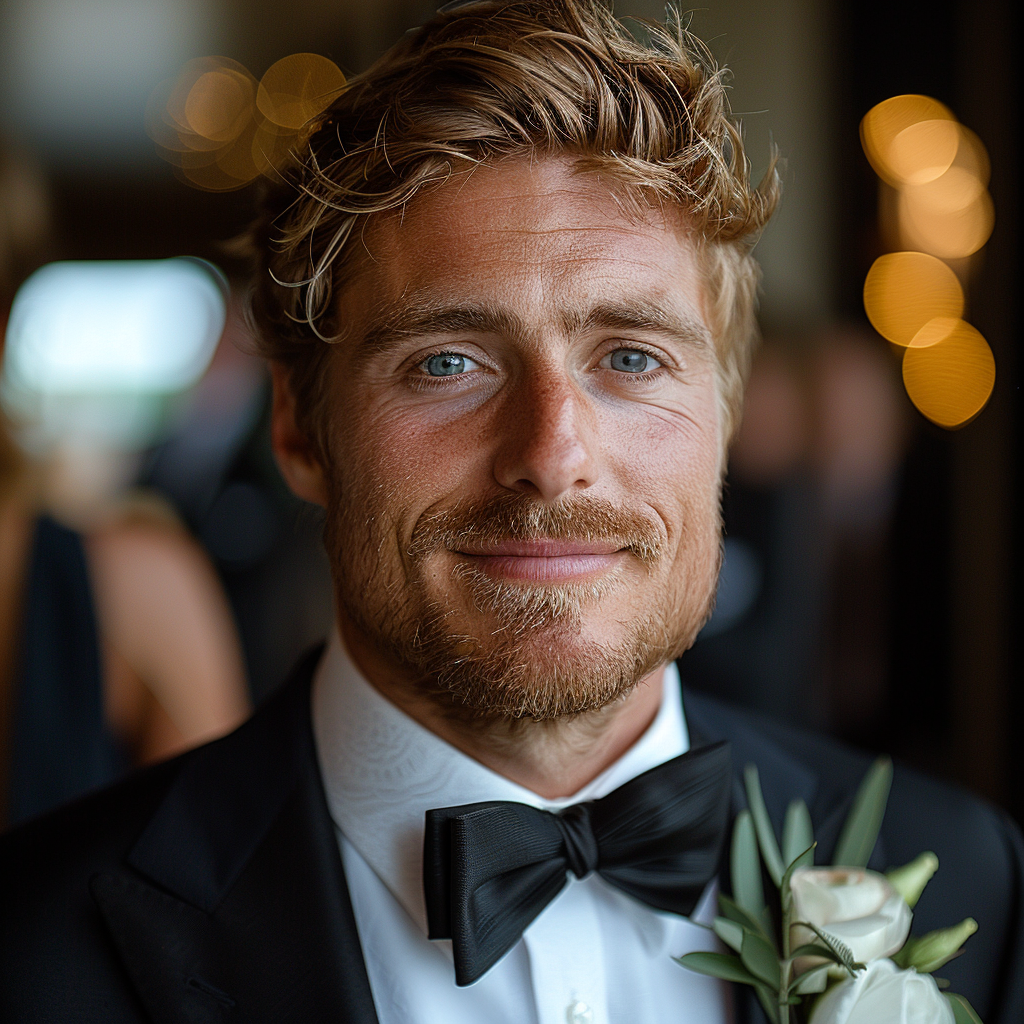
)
(491, 79)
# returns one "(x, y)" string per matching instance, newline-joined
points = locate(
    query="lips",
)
(544, 560)
(544, 548)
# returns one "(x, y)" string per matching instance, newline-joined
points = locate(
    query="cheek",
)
(668, 455)
(400, 463)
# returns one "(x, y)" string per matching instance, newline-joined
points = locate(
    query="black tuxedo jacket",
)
(210, 888)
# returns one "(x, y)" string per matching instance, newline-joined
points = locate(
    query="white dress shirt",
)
(593, 956)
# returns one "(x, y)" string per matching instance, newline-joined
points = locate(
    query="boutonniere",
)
(834, 946)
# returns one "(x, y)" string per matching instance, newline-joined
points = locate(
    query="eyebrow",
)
(638, 315)
(401, 320)
(398, 321)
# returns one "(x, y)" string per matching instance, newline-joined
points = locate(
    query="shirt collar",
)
(382, 771)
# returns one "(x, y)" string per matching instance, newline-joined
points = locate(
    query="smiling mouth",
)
(544, 561)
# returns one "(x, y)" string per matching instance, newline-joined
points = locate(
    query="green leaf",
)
(729, 932)
(909, 881)
(840, 950)
(804, 859)
(736, 913)
(759, 957)
(814, 949)
(797, 832)
(718, 965)
(963, 1012)
(813, 981)
(769, 1001)
(929, 952)
(857, 840)
(763, 826)
(746, 867)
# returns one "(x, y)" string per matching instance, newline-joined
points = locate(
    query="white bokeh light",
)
(99, 348)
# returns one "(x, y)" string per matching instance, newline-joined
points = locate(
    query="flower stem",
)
(785, 968)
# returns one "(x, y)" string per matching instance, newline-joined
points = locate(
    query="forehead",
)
(532, 234)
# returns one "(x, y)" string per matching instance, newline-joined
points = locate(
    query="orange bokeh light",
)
(951, 222)
(904, 290)
(271, 147)
(950, 214)
(221, 129)
(220, 104)
(297, 88)
(923, 151)
(949, 372)
(884, 123)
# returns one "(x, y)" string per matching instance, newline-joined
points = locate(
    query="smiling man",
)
(523, 464)
(507, 294)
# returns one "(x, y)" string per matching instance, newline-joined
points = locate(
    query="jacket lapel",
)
(233, 904)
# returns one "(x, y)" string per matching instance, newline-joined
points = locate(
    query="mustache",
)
(516, 516)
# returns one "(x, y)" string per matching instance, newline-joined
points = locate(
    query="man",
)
(507, 295)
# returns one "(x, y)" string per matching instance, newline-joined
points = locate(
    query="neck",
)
(552, 759)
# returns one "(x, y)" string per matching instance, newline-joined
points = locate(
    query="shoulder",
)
(918, 802)
(126, 556)
(56, 960)
(45, 859)
(231, 781)
(58, 957)
(176, 838)
(174, 665)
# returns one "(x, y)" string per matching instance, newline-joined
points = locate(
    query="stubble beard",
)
(528, 658)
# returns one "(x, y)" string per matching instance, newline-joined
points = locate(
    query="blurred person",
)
(117, 647)
(507, 294)
(216, 469)
(814, 474)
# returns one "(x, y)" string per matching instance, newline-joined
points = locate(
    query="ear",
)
(296, 457)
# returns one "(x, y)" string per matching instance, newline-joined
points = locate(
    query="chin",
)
(546, 671)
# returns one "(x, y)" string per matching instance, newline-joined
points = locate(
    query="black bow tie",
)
(489, 869)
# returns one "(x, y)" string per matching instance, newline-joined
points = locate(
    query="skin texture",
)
(519, 547)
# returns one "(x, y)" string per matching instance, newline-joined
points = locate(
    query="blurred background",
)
(872, 582)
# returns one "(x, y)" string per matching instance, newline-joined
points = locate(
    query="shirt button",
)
(579, 1013)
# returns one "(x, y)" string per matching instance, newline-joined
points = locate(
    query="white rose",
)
(858, 907)
(884, 994)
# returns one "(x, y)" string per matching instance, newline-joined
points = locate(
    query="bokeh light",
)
(949, 372)
(220, 128)
(887, 121)
(950, 214)
(100, 349)
(923, 151)
(271, 147)
(927, 223)
(204, 107)
(297, 88)
(941, 210)
(904, 290)
(219, 105)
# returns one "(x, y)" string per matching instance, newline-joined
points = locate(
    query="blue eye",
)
(447, 364)
(630, 360)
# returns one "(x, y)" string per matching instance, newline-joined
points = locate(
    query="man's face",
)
(524, 444)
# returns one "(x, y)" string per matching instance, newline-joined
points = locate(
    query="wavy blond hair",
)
(487, 80)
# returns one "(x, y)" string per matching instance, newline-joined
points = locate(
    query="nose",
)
(547, 438)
